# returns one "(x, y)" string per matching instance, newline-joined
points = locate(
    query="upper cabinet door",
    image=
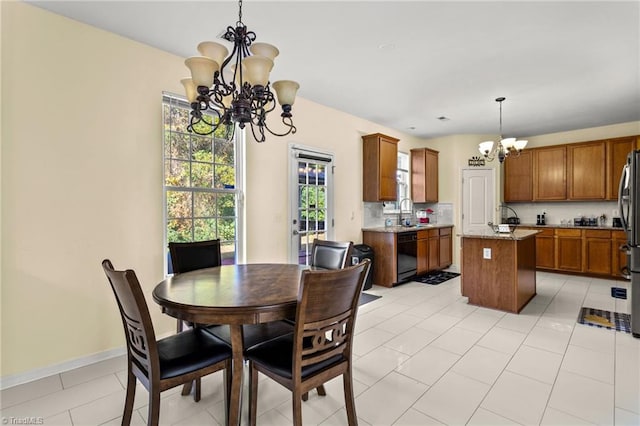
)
(379, 168)
(550, 173)
(586, 171)
(424, 175)
(518, 177)
(617, 151)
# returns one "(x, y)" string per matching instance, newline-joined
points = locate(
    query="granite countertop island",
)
(499, 269)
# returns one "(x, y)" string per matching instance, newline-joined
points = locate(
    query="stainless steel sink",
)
(421, 225)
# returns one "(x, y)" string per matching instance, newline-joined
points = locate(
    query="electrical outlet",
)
(486, 253)
(615, 213)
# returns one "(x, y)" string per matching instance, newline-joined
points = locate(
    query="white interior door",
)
(478, 199)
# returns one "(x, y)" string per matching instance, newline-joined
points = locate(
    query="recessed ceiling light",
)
(443, 118)
(411, 127)
(387, 46)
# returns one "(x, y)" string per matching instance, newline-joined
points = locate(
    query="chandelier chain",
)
(503, 147)
(500, 119)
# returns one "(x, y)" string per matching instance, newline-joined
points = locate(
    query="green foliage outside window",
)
(200, 181)
(313, 195)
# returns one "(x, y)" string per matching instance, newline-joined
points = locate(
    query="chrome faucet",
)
(400, 209)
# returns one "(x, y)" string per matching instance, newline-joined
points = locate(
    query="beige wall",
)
(82, 181)
(72, 191)
(267, 191)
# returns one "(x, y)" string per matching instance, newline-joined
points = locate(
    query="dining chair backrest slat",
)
(327, 304)
(135, 316)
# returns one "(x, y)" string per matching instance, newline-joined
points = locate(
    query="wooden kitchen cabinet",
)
(385, 251)
(586, 171)
(593, 252)
(428, 251)
(518, 177)
(597, 251)
(617, 151)
(545, 249)
(379, 167)
(422, 265)
(568, 249)
(550, 173)
(578, 171)
(424, 175)
(445, 249)
(434, 250)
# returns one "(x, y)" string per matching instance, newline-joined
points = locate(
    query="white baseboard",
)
(40, 373)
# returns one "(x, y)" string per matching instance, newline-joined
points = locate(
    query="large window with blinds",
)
(202, 182)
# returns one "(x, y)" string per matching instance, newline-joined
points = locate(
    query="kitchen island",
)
(499, 269)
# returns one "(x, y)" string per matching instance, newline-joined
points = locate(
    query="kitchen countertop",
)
(533, 225)
(518, 234)
(397, 229)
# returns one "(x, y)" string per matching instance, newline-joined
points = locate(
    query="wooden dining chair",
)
(194, 255)
(320, 347)
(191, 256)
(330, 254)
(166, 363)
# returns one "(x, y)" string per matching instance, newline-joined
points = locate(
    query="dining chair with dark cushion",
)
(190, 256)
(194, 255)
(166, 363)
(320, 347)
(330, 254)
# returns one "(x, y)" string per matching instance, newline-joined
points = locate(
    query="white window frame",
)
(238, 190)
(404, 188)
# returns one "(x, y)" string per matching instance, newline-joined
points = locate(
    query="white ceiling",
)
(561, 65)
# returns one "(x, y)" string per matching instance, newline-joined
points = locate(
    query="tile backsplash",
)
(374, 214)
(557, 212)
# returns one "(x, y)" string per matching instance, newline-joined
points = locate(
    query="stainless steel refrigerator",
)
(629, 205)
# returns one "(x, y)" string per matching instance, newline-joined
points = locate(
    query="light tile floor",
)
(423, 356)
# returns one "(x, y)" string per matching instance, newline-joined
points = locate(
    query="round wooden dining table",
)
(234, 295)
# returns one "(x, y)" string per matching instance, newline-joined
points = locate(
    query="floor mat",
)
(366, 298)
(605, 319)
(435, 278)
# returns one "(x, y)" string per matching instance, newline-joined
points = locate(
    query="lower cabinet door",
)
(545, 252)
(434, 253)
(598, 256)
(569, 253)
(445, 251)
(423, 256)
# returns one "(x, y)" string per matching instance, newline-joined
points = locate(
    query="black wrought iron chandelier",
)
(235, 89)
(504, 147)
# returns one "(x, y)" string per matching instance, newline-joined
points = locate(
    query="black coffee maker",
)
(541, 219)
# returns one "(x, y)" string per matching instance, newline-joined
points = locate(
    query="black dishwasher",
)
(407, 255)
